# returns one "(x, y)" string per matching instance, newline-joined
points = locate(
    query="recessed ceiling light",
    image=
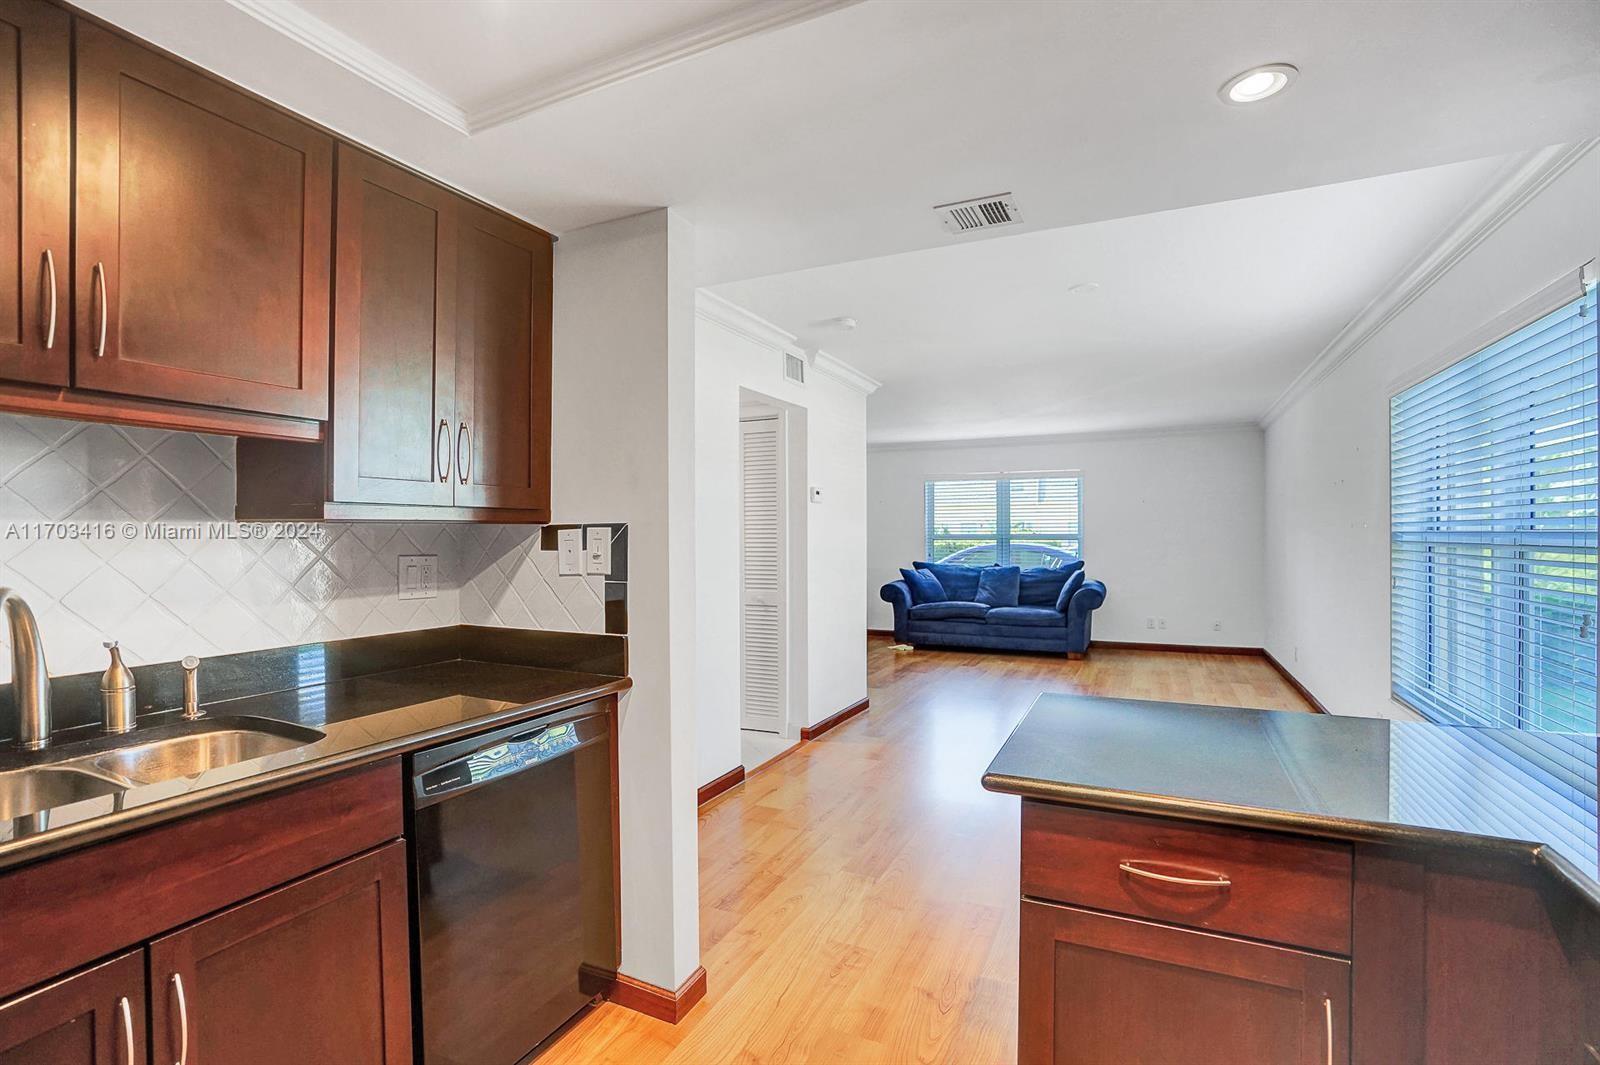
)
(1257, 83)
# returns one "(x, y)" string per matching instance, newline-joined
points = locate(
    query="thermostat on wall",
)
(816, 494)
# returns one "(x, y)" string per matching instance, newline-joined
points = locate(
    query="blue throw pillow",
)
(925, 587)
(1074, 582)
(997, 585)
(958, 582)
(1041, 585)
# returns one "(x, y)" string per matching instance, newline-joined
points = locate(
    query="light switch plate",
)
(597, 551)
(418, 576)
(569, 552)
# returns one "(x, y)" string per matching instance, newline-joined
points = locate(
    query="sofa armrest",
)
(898, 595)
(1084, 601)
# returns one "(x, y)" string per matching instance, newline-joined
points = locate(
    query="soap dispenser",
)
(117, 696)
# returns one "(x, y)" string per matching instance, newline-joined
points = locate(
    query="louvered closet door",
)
(762, 564)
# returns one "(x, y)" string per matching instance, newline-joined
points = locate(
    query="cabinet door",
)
(203, 238)
(36, 180)
(93, 1018)
(1097, 988)
(502, 363)
(314, 971)
(393, 429)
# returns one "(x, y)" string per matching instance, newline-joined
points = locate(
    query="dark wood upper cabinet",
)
(36, 181)
(1100, 988)
(441, 365)
(393, 431)
(202, 237)
(317, 971)
(96, 1017)
(502, 390)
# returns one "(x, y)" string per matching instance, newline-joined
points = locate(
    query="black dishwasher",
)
(513, 889)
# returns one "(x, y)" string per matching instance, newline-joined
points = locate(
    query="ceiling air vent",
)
(794, 368)
(986, 212)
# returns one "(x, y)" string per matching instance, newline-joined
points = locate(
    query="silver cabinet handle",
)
(100, 288)
(127, 1027)
(183, 1021)
(464, 452)
(441, 450)
(1216, 880)
(50, 278)
(1327, 1025)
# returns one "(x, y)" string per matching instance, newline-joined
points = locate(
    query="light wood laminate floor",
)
(858, 897)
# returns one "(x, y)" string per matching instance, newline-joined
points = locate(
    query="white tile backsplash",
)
(219, 591)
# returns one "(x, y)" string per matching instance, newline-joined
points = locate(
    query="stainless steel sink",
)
(202, 746)
(28, 791)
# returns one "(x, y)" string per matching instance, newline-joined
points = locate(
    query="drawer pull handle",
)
(1216, 880)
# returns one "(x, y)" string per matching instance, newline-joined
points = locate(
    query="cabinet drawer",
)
(1249, 883)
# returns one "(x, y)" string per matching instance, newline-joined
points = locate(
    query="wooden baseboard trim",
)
(880, 632)
(1179, 648)
(811, 732)
(726, 781)
(658, 1002)
(1294, 682)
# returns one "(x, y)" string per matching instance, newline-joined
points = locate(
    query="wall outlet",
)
(597, 550)
(1161, 623)
(569, 552)
(418, 576)
(1216, 626)
(1149, 623)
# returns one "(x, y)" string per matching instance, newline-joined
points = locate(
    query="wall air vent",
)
(986, 212)
(794, 368)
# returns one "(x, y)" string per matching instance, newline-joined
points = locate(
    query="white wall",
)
(1328, 452)
(623, 450)
(828, 430)
(1172, 523)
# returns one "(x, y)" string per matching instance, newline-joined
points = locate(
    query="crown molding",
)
(1520, 184)
(734, 318)
(1204, 429)
(844, 373)
(746, 22)
(305, 29)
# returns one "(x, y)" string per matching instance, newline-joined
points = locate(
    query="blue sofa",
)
(1049, 610)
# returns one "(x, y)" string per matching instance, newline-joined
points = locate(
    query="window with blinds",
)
(1493, 479)
(1025, 521)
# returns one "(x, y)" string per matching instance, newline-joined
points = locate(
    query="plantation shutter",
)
(1493, 478)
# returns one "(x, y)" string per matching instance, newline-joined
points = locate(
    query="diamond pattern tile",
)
(207, 593)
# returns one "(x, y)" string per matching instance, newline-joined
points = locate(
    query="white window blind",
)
(1026, 521)
(1493, 478)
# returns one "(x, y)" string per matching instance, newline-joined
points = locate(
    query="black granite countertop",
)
(1525, 793)
(360, 719)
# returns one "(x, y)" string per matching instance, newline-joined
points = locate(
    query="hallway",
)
(858, 896)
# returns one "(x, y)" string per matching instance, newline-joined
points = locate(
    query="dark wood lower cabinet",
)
(316, 971)
(96, 1017)
(1097, 988)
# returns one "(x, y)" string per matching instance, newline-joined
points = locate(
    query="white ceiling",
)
(819, 131)
(1204, 315)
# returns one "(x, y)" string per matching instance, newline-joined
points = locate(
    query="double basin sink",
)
(109, 765)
